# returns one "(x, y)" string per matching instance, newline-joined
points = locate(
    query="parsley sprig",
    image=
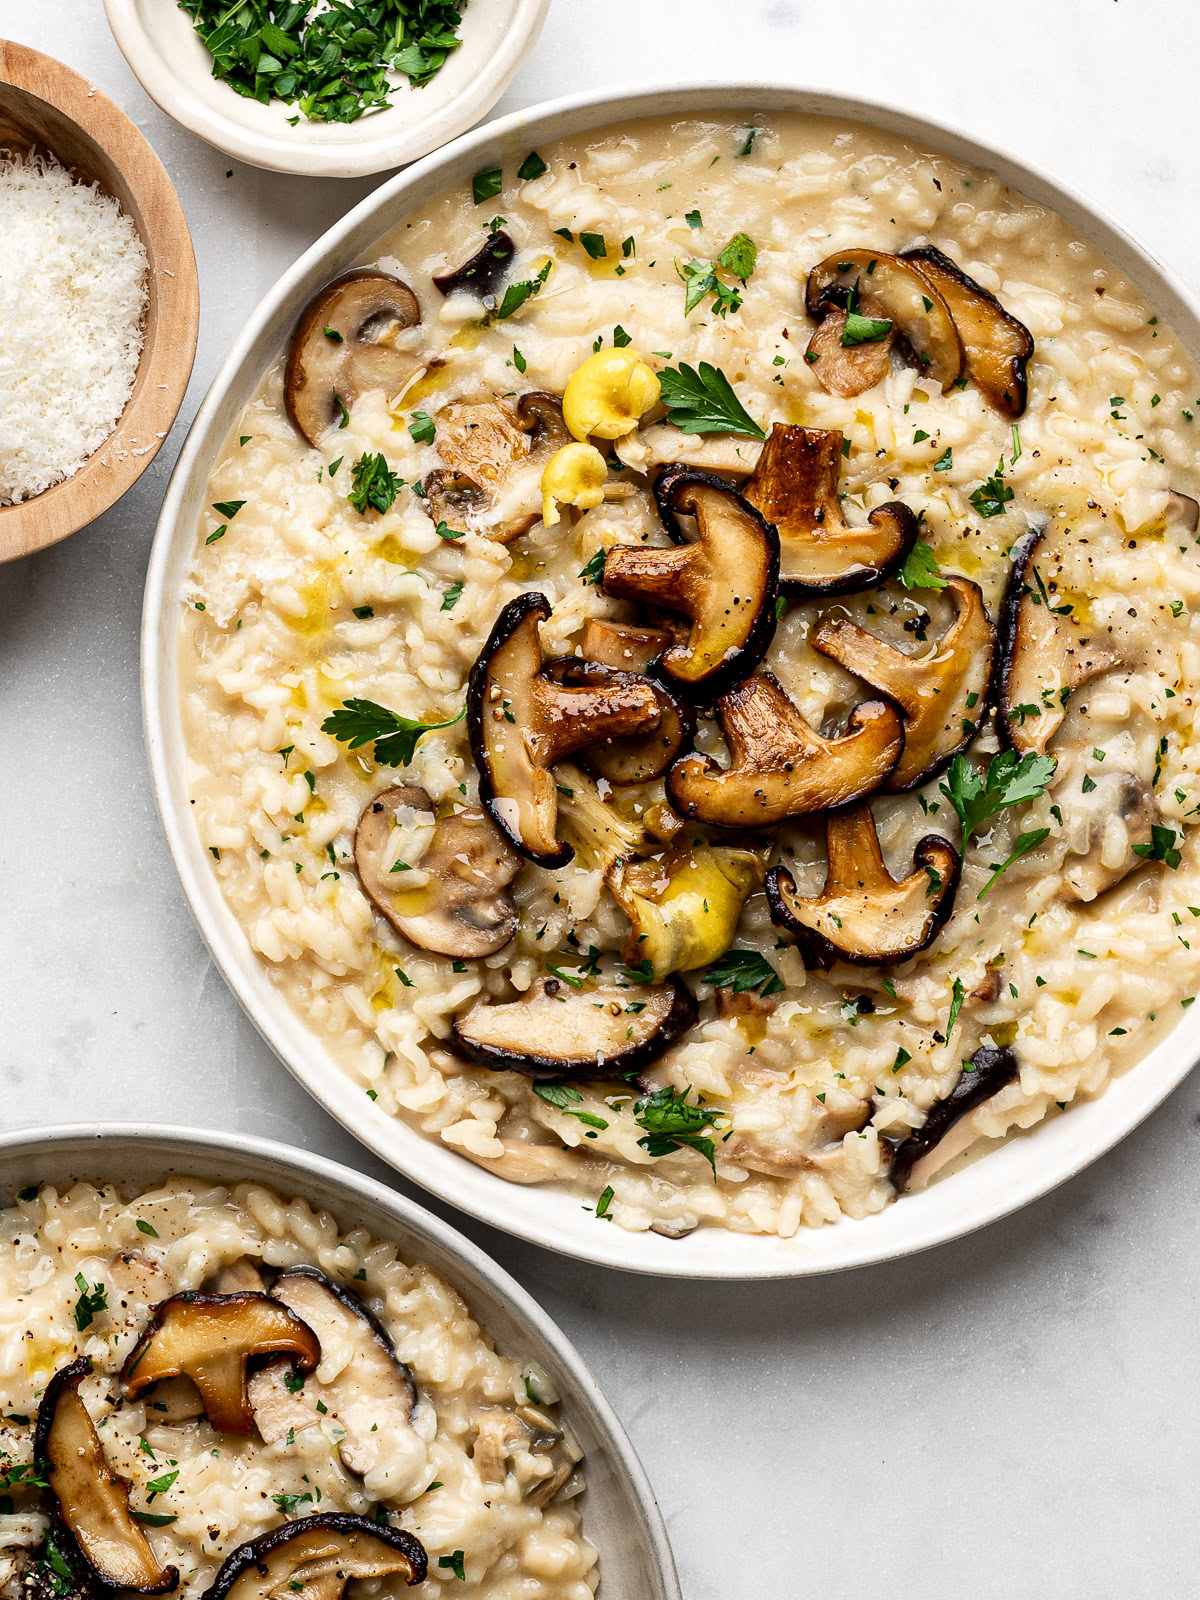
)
(743, 971)
(920, 569)
(358, 722)
(704, 402)
(672, 1123)
(374, 484)
(1007, 781)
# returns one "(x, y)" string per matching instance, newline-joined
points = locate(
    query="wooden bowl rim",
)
(165, 365)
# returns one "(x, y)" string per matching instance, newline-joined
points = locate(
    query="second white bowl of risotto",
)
(670, 673)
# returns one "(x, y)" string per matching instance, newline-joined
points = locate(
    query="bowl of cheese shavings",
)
(95, 260)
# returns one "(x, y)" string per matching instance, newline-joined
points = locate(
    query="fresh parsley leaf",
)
(565, 1099)
(228, 508)
(486, 185)
(945, 461)
(373, 483)
(219, 533)
(1025, 843)
(957, 995)
(1163, 846)
(454, 1562)
(532, 167)
(451, 597)
(516, 294)
(519, 360)
(605, 1200)
(673, 1123)
(1007, 781)
(920, 569)
(864, 330)
(693, 219)
(160, 1485)
(594, 571)
(993, 494)
(620, 337)
(703, 401)
(748, 143)
(739, 256)
(89, 1303)
(421, 427)
(154, 1519)
(445, 531)
(742, 971)
(359, 722)
(288, 1503)
(594, 244)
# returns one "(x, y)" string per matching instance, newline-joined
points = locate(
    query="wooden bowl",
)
(44, 104)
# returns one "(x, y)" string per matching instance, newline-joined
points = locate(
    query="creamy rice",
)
(432, 1478)
(304, 603)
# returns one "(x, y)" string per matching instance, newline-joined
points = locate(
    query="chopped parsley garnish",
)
(703, 401)
(920, 569)
(620, 337)
(89, 1303)
(219, 533)
(532, 167)
(519, 360)
(421, 428)
(454, 1562)
(566, 1099)
(359, 722)
(445, 531)
(154, 1519)
(145, 1227)
(700, 277)
(160, 1485)
(748, 143)
(594, 571)
(672, 1123)
(1025, 843)
(228, 508)
(693, 219)
(1008, 781)
(516, 294)
(858, 329)
(451, 597)
(993, 494)
(373, 483)
(487, 185)
(739, 256)
(594, 244)
(288, 1503)
(945, 461)
(743, 971)
(363, 612)
(1163, 846)
(605, 1200)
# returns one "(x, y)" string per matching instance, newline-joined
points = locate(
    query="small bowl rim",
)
(165, 364)
(470, 1269)
(290, 151)
(1007, 1177)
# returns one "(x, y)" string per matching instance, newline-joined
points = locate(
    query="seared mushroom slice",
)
(885, 288)
(623, 762)
(444, 890)
(521, 722)
(371, 1397)
(847, 370)
(556, 1032)
(495, 450)
(725, 581)
(623, 645)
(1107, 824)
(997, 346)
(91, 1502)
(780, 766)
(1043, 657)
(914, 1161)
(944, 695)
(316, 1557)
(345, 346)
(480, 274)
(863, 915)
(683, 907)
(210, 1338)
(795, 486)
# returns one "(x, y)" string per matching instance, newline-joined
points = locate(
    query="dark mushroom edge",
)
(644, 757)
(991, 1069)
(482, 273)
(361, 1549)
(997, 346)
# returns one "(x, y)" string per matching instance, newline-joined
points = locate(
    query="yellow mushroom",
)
(608, 394)
(574, 476)
(685, 906)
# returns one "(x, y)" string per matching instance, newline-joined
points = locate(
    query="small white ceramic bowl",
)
(172, 65)
(1022, 1168)
(620, 1514)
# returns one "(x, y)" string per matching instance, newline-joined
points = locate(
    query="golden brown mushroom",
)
(996, 345)
(495, 450)
(624, 761)
(883, 288)
(314, 1558)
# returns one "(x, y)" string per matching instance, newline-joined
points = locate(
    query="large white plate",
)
(1019, 1170)
(620, 1514)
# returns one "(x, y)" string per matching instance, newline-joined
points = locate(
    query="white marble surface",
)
(1011, 1416)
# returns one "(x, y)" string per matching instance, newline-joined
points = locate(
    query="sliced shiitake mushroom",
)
(371, 1397)
(885, 288)
(495, 450)
(916, 1158)
(554, 1031)
(315, 1558)
(642, 759)
(863, 915)
(482, 273)
(843, 369)
(210, 1338)
(441, 883)
(683, 906)
(90, 1501)
(345, 346)
(725, 581)
(780, 766)
(501, 1434)
(623, 645)
(521, 722)
(795, 486)
(1043, 656)
(944, 695)
(996, 345)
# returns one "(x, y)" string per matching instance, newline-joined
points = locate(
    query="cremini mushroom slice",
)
(482, 273)
(884, 288)
(847, 370)
(944, 695)
(725, 581)
(522, 722)
(371, 1396)
(517, 1440)
(1109, 820)
(314, 1558)
(926, 1151)
(863, 914)
(91, 1502)
(795, 486)
(346, 346)
(623, 645)
(779, 766)
(663, 444)
(441, 882)
(684, 906)
(210, 1338)
(1044, 655)
(627, 761)
(495, 450)
(555, 1031)
(996, 345)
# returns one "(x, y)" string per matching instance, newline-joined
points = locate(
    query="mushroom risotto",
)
(688, 671)
(212, 1391)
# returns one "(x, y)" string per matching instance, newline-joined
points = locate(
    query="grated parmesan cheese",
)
(73, 297)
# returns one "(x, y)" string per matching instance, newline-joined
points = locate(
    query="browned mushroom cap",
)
(988, 1071)
(997, 346)
(779, 766)
(451, 897)
(795, 486)
(209, 1338)
(91, 1502)
(345, 346)
(863, 914)
(725, 581)
(315, 1557)
(1044, 657)
(642, 759)
(521, 722)
(623, 645)
(495, 451)
(482, 273)
(556, 1032)
(885, 288)
(944, 695)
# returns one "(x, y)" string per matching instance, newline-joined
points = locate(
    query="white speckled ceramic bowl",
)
(991, 1186)
(172, 65)
(620, 1514)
